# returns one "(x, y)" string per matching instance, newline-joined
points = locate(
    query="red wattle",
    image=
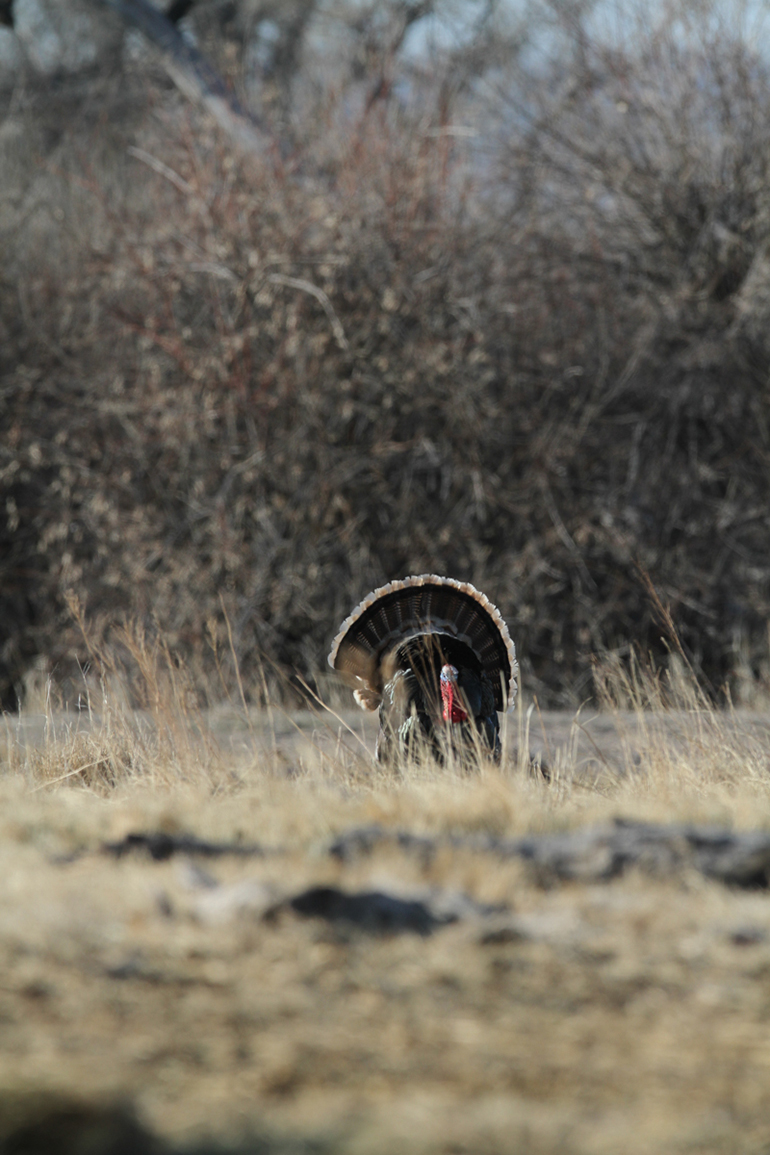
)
(453, 711)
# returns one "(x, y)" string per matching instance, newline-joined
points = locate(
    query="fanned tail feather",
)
(397, 618)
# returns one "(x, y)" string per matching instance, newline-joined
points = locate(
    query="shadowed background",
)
(490, 301)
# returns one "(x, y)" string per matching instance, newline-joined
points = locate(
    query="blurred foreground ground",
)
(628, 1015)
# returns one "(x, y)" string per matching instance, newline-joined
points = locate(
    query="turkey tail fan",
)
(455, 615)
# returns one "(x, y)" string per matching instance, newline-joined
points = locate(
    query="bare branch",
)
(320, 296)
(193, 74)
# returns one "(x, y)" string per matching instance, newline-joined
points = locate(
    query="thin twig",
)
(162, 169)
(69, 774)
(320, 296)
(333, 713)
(667, 621)
(580, 726)
(542, 730)
(237, 668)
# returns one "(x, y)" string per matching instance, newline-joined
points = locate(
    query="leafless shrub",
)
(534, 361)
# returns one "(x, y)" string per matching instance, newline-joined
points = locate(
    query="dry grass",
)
(629, 1016)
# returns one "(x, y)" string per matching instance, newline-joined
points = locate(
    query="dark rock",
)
(161, 846)
(379, 912)
(50, 1125)
(600, 853)
(373, 910)
(748, 936)
(364, 839)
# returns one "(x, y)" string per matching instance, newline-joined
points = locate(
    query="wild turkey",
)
(435, 657)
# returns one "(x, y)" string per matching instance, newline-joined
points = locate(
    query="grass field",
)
(626, 1015)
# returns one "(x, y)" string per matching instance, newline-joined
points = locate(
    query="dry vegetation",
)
(599, 1015)
(503, 318)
